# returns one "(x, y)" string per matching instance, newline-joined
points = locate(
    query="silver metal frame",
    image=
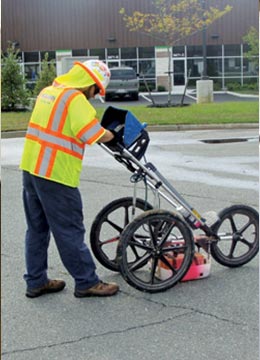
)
(157, 182)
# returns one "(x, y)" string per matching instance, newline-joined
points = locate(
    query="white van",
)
(123, 82)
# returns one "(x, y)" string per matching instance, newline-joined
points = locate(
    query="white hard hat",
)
(99, 72)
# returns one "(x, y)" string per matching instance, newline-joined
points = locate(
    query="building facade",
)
(94, 28)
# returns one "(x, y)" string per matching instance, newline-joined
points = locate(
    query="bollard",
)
(204, 91)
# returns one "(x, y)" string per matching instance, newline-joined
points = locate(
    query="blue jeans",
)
(54, 208)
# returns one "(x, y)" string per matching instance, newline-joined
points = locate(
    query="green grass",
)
(215, 113)
(14, 120)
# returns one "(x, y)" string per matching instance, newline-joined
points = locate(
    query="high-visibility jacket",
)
(62, 122)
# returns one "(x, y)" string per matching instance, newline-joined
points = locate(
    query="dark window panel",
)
(178, 51)
(214, 67)
(232, 50)
(232, 67)
(80, 52)
(196, 67)
(98, 52)
(31, 56)
(112, 53)
(214, 50)
(194, 51)
(147, 68)
(31, 72)
(146, 52)
(128, 53)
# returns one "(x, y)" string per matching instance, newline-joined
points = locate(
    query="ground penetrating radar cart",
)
(153, 248)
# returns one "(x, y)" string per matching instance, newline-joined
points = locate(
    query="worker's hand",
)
(118, 133)
(115, 140)
(107, 137)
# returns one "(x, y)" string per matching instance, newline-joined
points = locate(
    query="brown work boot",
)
(100, 289)
(52, 286)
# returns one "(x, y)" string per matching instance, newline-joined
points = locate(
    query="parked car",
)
(123, 82)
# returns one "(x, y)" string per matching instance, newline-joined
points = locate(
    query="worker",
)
(62, 122)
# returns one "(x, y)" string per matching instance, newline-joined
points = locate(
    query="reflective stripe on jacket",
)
(62, 122)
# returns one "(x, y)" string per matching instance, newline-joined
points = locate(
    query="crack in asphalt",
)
(107, 333)
(189, 311)
(193, 310)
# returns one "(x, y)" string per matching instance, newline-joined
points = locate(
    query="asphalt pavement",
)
(214, 318)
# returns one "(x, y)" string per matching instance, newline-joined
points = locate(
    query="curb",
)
(193, 92)
(152, 128)
(242, 95)
(184, 127)
(12, 134)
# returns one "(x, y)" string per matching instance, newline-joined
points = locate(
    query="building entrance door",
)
(178, 72)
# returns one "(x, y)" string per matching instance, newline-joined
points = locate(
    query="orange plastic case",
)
(199, 269)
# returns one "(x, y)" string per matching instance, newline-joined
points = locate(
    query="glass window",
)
(196, 67)
(146, 52)
(131, 63)
(128, 53)
(232, 67)
(31, 56)
(214, 50)
(31, 72)
(214, 67)
(194, 51)
(178, 51)
(80, 52)
(250, 68)
(232, 50)
(113, 53)
(98, 52)
(147, 68)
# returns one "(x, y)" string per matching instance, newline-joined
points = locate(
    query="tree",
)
(172, 21)
(47, 75)
(13, 93)
(252, 39)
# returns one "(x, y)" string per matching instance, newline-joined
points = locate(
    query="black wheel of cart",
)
(149, 248)
(108, 225)
(238, 232)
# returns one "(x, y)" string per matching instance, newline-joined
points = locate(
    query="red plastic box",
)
(199, 269)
